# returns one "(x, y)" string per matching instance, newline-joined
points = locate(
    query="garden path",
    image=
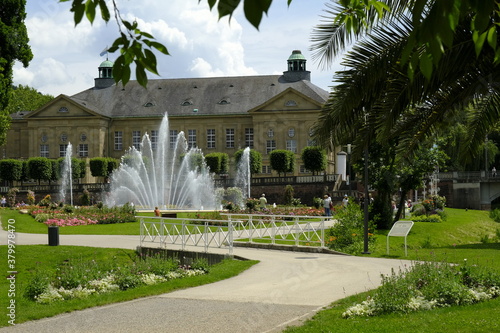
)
(285, 288)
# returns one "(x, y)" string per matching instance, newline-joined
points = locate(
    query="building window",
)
(266, 169)
(136, 139)
(83, 150)
(229, 137)
(191, 138)
(302, 169)
(64, 137)
(173, 138)
(63, 109)
(118, 140)
(311, 143)
(83, 137)
(270, 133)
(44, 137)
(291, 145)
(270, 146)
(249, 137)
(44, 150)
(291, 103)
(211, 138)
(62, 150)
(154, 139)
(291, 132)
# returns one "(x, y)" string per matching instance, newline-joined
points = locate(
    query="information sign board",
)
(400, 229)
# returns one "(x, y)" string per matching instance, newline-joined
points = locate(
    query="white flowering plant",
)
(81, 279)
(427, 285)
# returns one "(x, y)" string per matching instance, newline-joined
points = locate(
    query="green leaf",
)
(478, 41)
(160, 47)
(79, 9)
(104, 10)
(211, 3)
(140, 74)
(227, 7)
(90, 10)
(150, 61)
(426, 65)
(254, 9)
(492, 37)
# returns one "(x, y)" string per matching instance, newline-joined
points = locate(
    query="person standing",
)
(494, 172)
(262, 201)
(3, 202)
(345, 201)
(157, 212)
(327, 204)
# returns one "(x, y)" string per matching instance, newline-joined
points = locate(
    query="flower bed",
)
(81, 279)
(75, 216)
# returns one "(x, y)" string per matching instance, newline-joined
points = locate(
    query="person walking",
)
(327, 204)
(262, 201)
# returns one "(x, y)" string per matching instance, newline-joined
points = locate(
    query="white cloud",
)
(66, 58)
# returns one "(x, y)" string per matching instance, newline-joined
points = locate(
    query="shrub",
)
(317, 202)
(85, 198)
(11, 196)
(424, 218)
(288, 195)
(495, 215)
(38, 284)
(348, 234)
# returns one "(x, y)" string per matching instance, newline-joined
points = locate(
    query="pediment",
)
(289, 100)
(62, 107)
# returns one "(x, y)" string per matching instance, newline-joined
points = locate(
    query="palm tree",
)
(374, 99)
(376, 104)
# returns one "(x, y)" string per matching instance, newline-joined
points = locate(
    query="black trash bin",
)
(53, 236)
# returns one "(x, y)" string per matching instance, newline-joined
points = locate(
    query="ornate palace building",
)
(218, 114)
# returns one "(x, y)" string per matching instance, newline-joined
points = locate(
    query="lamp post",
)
(367, 200)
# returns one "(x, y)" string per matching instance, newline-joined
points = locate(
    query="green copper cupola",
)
(105, 78)
(297, 68)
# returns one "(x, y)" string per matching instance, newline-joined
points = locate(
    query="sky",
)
(66, 57)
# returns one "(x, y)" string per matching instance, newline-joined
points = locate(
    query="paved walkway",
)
(284, 288)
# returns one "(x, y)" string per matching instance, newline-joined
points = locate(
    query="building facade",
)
(219, 114)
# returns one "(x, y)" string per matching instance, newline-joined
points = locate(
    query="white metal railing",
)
(182, 231)
(293, 229)
(207, 233)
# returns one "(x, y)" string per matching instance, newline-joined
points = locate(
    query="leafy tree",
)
(217, 162)
(39, 168)
(282, 161)
(56, 172)
(113, 164)
(13, 46)
(11, 169)
(314, 159)
(99, 167)
(24, 98)
(435, 25)
(255, 160)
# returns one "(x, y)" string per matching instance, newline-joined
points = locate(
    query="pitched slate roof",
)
(180, 97)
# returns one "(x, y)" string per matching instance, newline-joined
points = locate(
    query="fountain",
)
(169, 177)
(67, 175)
(242, 179)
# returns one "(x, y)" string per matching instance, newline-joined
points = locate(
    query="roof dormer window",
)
(223, 102)
(187, 103)
(149, 104)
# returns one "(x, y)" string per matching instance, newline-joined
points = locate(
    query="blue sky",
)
(66, 58)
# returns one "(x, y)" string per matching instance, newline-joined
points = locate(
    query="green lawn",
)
(470, 235)
(456, 239)
(28, 258)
